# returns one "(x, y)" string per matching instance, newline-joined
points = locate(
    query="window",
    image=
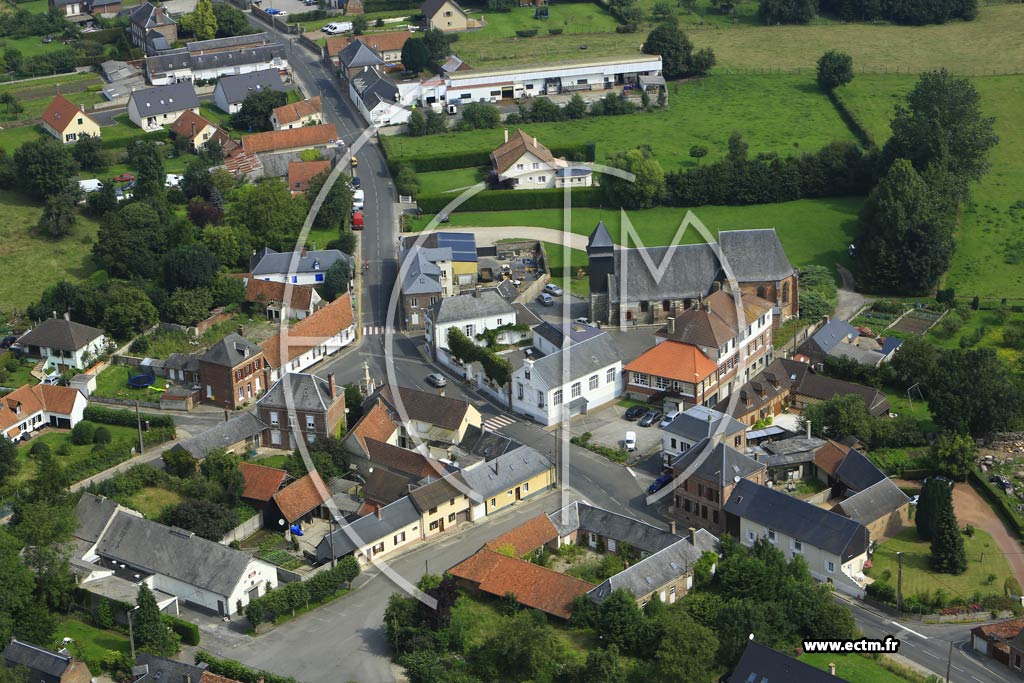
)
(672, 441)
(241, 393)
(470, 330)
(399, 538)
(556, 397)
(714, 516)
(519, 390)
(434, 525)
(609, 376)
(500, 323)
(526, 372)
(414, 302)
(771, 535)
(509, 493)
(274, 421)
(536, 166)
(798, 547)
(433, 511)
(447, 13)
(750, 536)
(466, 96)
(540, 398)
(594, 382)
(451, 518)
(519, 167)
(641, 380)
(830, 567)
(495, 93)
(662, 382)
(494, 501)
(542, 179)
(310, 422)
(451, 501)
(576, 390)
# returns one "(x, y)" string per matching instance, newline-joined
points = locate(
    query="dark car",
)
(650, 417)
(634, 413)
(659, 483)
(7, 341)
(356, 183)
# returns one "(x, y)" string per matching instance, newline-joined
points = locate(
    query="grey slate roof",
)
(93, 513)
(657, 569)
(504, 472)
(877, 500)
(156, 42)
(755, 255)
(368, 529)
(583, 359)
(176, 553)
(57, 333)
(580, 516)
(700, 422)
(168, 670)
(229, 41)
(858, 354)
(230, 351)
(797, 519)
(181, 361)
(554, 335)
(309, 393)
(148, 15)
(356, 55)
(237, 88)
(823, 388)
(373, 87)
(797, 449)
(242, 426)
(483, 304)
(834, 332)
(171, 60)
(688, 275)
(760, 663)
(436, 490)
(600, 238)
(165, 99)
(385, 487)
(858, 473)
(422, 274)
(275, 263)
(41, 663)
(720, 463)
(484, 443)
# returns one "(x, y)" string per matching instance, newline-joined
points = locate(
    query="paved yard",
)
(609, 429)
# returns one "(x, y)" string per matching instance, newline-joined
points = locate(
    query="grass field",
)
(92, 642)
(853, 668)
(33, 108)
(113, 383)
(567, 280)
(31, 262)
(54, 82)
(785, 114)
(31, 46)
(54, 439)
(446, 181)
(918, 578)
(153, 500)
(991, 338)
(13, 138)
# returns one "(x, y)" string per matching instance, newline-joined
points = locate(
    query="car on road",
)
(357, 220)
(355, 182)
(649, 418)
(553, 289)
(630, 441)
(436, 379)
(337, 27)
(545, 299)
(274, 12)
(659, 483)
(634, 413)
(583, 320)
(124, 178)
(358, 199)
(173, 180)
(667, 420)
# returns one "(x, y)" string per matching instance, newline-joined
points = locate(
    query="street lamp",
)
(131, 633)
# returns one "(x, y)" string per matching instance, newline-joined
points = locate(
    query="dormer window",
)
(316, 264)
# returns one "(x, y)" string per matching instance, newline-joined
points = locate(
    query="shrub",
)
(39, 448)
(188, 631)
(228, 668)
(526, 33)
(1011, 586)
(626, 28)
(140, 345)
(83, 433)
(101, 436)
(555, 31)
(125, 418)
(882, 592)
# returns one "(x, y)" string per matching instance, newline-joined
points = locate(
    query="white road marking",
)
(631, 472)
(497, 422)
(909, 630)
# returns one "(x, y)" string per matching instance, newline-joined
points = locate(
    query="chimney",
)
(241, 331)
(808, 429)
(693, 535)
(672, 325)
(331, 387)
(380, 512)
(303, 250)
(672, 527)
(83, 108)
(832, 668)
(186, 677)
(506, 135)
(535, 143)
(825, 319)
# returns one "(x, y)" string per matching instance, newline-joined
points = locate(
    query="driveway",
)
(608, 428)
(972, 509)
(848, 300)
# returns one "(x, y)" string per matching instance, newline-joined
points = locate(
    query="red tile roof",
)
(208, 677)
(301, 172)
(61, 112)
(189, 124)
(527, 537)
(830, 456)
(375, 424)
(296, 111)
(309, 332)
(1004, 630)
(387, 41)
(293, 138)
(402, 459)
(259, 482)
(263, 292)
(533, 585)
(674, 360)
(32, 399)
(443, 411)
(301, 496)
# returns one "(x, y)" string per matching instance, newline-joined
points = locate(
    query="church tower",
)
(601, 257)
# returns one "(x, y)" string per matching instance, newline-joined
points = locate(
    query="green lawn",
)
(813, 231)
(918, 578)
(153, 500)
(92, 642)
(22, 375)
(58, 83)
(763, 108)
(54, 439)
(31, 46)
(34, 6)
(436, 182)
(278, 461)
(33, 108)
(853, 668)
(113, 383)
(993, 333)
(900, 404)
(13, 138)
(567, 280)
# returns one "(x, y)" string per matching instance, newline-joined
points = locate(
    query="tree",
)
(524, 647)
(698, 152)
(683, 653)
(152, 634)
(575, 108)
(148, 161)
(480, 115)
(16, 583)
(179, 462)
(436, 43)
(203, 518)
(915, 361)
(620, 622)
(948, 554)
(415, 55)
(228, 243)
(337, 206)
(933, 494)
(254, 115)
(834, 69)
(700, 63)
(36, 624)
(954, 455)
(416, 125)
(266, 210)
(406, 181)
(786, 11)
(189, 267)
(202, 21)
(227, 291)
(58, 219)
(202, 213)
(189, 306)
(336, 280)
(230, 21)
(89, 154)
(104, 615)
(906, 239)
(838, 418)
(662, 11)
(131, 242)
(128, 312)
(9, 463)
(673, 46)
(436, 122)
(543, 110)
(45, 168)
(196, 181)
(994, 403)
(359, 24)
(10, 104)
(604, 666)
(648, 185)
(222, 467)
(83, 433)
(942, 123)
(101, 203)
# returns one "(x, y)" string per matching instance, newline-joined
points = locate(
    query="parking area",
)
(289, 6)
(608, 428)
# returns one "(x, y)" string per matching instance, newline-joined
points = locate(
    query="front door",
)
(440, 524)
(519, 494)
(220, 607)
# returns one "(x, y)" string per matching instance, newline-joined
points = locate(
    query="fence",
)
(311, 45)
(243, 530)
(127, 402)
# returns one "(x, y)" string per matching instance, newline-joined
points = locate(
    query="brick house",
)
(678, 373)
(233, 372)
(300, 406)
(708, 474)
(297, 503)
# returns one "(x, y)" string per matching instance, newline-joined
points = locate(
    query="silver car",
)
(436, 379)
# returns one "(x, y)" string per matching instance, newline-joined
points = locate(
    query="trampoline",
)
(141, 381)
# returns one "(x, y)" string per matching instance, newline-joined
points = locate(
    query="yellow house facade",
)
(66, 121)
(504, 481)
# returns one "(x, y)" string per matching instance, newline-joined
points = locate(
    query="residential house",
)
(312, 339)
(386, 44)
(68, 8)
(105, 8)
(834, 547)
(882, 508)
(357, 57)
(240, 434)
(523, 163)
(646, 285)
(789, 460)
(45, 666)
(194, 129)
(288, 140)
(29, 408)
(810, 388)
(229, 43)
(377, 98)
(306, 112)
(63, 344)
(428, 422)
(839, 339)
(573, 176)
(472, 314)
(278, 300)
(260, 483)
(446, 15)
(233, 372)
(696, 424)
(152, 108)
(384, 487)
(765, 396)
(508, 479)
(197, 571)
(541, 389)
(998, 642)
(168, 67)
(435, 266)
(152, 669)
(297, 503)
(301, 172)
(148, 17)
(706, 476)
(306, 267)
(271, 58)
(390, 528)
(398, 460)
(231, 91)
(300, 406)
(845, 470)
(443, 503)
(376, 423)
(183, 368)
(760, 663)
(66, 121)
(674, 373)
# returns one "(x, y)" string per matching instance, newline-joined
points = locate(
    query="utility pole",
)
(899, 581)
(330, 535)
(138, 422)
(949, 660)
(131, 633)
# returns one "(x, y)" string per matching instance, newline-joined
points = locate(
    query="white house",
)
(312, 339)
(574, 373)
(309, 266)
(206, 67)
(377, 98)
(152, 108)
(695, 424)
(231, 91)
(526, 164)
(834, 547)
(472, 314)
(63, 344)
(29, 408)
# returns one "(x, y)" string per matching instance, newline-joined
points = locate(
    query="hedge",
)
(511, 200)
(229, 668)
(852, 122)
(390, 5)
(188, 631)
(283, 601)
(446, 161)
(125, 418)
(999, 502)
(526, 32)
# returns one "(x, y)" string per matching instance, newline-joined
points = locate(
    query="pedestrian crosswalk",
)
(378, 329)
(497, 422)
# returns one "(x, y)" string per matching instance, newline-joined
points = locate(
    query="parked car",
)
(358, 199)
(124, 178)
(6, 342)
(436, 379)
(337, 27)
(357, 220)
(274, 12)
(583, 320)
(630, 441)
(553, 289)
(667, 420)
(545, 299)
(355, 182)
(659, 483)
(650, 417)
(634, 413)
(91, 185)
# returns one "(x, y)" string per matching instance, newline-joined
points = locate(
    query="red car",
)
(357, 220)
(124, 178)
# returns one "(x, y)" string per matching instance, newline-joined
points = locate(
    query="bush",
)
(125, 418)
(83, 433)
(555, 31)
(228, 668)
(39, 448)
(139, 345)
(882, 592)
(626, 28)
(101, 436)
(188, 631)
(526, 33)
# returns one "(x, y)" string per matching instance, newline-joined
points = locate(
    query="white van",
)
(357, 200)
(91, 185)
